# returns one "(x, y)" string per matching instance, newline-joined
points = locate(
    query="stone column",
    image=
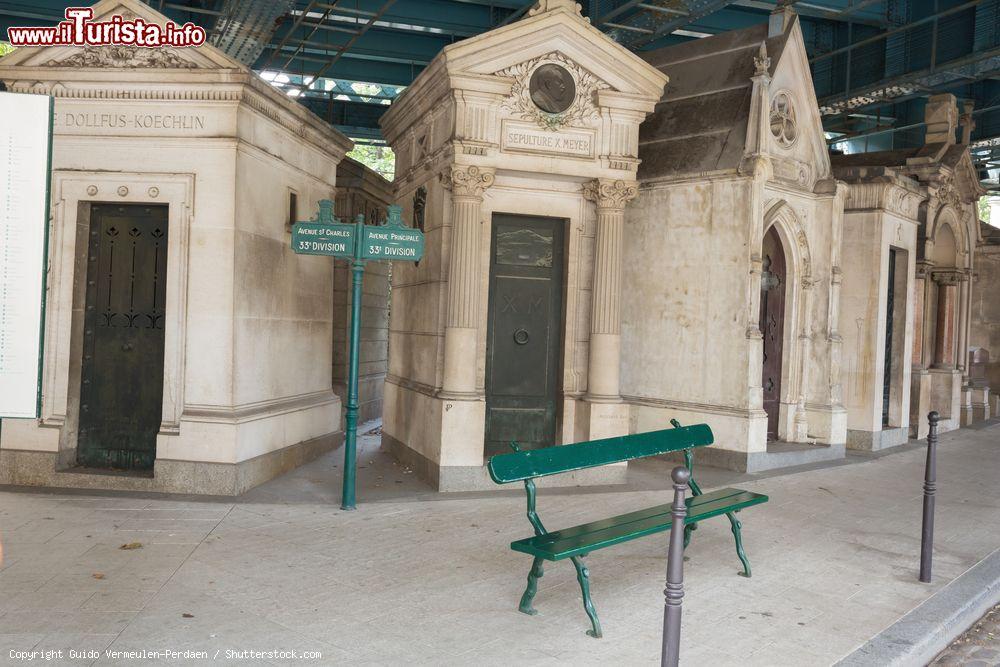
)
(919, 295)
(467, 185)
(963, 321)
(944, 340)
(605, 319)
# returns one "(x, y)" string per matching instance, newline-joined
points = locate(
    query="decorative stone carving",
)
(783, 127)
(91, 190)
(948, 194)
(761, 62)
(583, 106)
(122, 191)
(125, 57)
(610, 194)
(467, 181)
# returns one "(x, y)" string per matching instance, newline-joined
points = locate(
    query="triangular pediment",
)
(967, 178)
(791, 81)
(124, 57)
(557, 31)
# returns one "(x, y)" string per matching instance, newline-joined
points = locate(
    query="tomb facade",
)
(205, 368)
(520, 147)
(947, 235)
(733, 254)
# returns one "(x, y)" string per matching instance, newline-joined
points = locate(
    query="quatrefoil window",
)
(783, 120)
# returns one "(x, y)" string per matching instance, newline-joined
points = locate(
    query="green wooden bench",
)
(576, 542)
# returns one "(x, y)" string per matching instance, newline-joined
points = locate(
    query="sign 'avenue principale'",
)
(326, 235)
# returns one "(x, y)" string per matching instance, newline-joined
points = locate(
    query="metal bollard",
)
(930, 475)
(674, 592)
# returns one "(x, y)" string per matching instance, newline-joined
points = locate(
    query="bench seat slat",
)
(607, 532)
(594, 526)
(519, 466)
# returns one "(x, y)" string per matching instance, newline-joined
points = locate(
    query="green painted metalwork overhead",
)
(874, 62)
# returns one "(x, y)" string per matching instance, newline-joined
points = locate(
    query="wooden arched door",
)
(772, 325)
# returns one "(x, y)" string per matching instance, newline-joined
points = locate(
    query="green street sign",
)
(313, 238)
(324, 235)
(393, 240)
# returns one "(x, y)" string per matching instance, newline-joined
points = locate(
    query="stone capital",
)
(467, 181)
(610, 194)
(950, 277)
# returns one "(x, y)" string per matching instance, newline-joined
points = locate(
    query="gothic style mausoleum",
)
(733, 254)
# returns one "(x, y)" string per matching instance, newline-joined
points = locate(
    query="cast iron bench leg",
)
(739, 543)
(529, 592)
(583, 576)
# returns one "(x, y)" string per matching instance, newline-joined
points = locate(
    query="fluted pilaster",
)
(467, 185)
(605, 322)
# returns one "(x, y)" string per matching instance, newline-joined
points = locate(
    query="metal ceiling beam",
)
(354, 39)
(805, 11)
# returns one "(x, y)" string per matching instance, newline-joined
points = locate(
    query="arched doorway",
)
(772, 325)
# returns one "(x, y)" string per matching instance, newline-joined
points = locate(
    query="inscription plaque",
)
(533, 139)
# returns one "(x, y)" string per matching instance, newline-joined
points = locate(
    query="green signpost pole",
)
(351, 436)
(358, 242)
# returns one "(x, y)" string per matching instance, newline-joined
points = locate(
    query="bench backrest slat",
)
(519, 466)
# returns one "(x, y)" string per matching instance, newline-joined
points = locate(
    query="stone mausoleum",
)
(206, 368)
(732, 255)
(935, 187)
(516, 153)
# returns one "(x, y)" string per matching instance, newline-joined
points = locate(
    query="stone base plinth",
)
(873, 441)
(33, 468)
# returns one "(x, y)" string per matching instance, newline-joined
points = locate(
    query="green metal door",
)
(121, 391)
(524, 335)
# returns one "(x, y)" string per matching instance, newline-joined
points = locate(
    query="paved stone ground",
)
(415, 577)
(977, 647)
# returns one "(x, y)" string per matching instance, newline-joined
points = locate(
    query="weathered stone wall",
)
(985, 331)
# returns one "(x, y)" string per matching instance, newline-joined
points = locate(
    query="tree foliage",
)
(984, 210)
(376, 157)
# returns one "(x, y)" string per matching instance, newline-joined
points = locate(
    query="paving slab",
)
(416, 577)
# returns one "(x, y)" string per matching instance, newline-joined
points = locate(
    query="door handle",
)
(520, 336)
(128, 347)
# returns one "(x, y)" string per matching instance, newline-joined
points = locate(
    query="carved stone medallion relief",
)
(553, 91)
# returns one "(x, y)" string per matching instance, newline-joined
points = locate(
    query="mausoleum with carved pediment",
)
(185, 344)
(925, 200)
(516, 150)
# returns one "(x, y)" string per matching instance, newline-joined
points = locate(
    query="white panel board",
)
(25, 135)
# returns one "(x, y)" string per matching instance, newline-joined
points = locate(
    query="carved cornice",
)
(466, 181)
(885, 195)
(610, 194)
(251, 91)
(130, 57)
